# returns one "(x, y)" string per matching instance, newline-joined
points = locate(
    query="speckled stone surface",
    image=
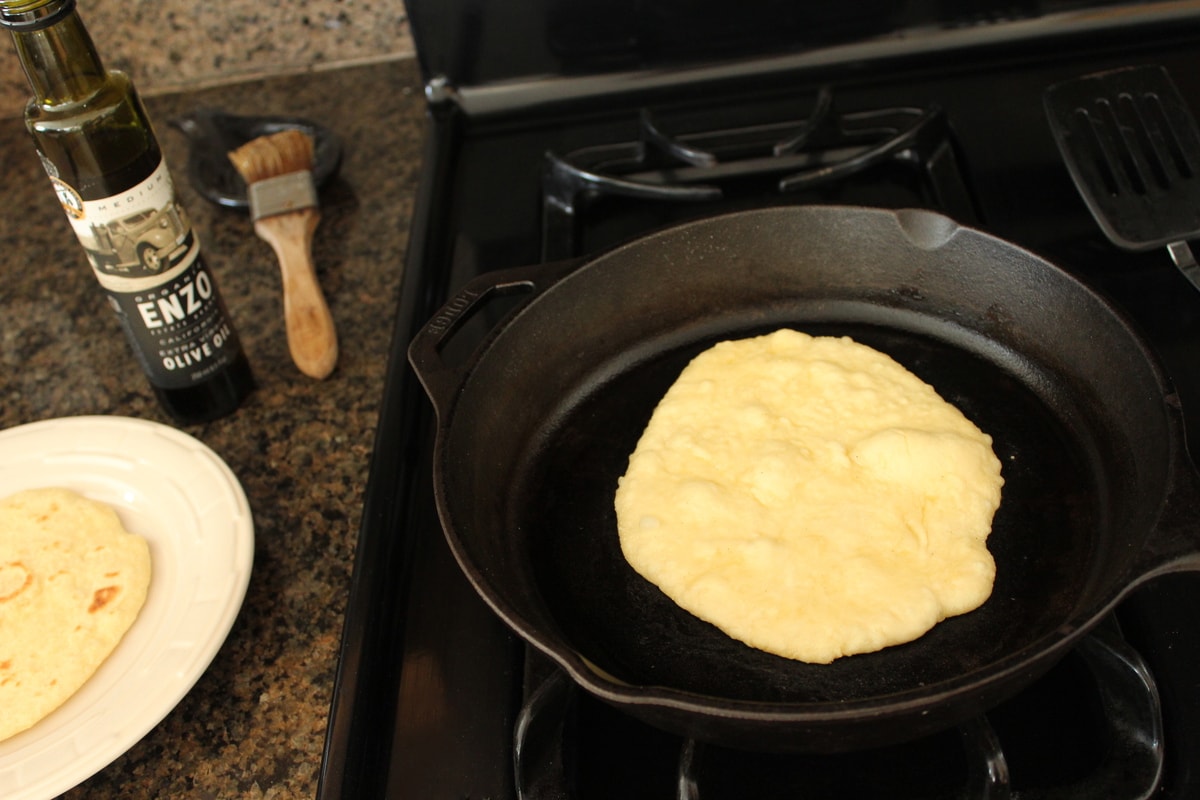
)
(253, 726)
(168, 45)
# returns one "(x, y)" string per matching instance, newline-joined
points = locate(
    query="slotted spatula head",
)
(1132, 147)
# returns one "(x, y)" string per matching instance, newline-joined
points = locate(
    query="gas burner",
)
(777, 160)
(1019, 747)
(944, 112)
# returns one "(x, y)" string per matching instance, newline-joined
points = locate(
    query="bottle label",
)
(144, 253)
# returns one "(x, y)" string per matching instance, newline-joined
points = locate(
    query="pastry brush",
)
(277, 169)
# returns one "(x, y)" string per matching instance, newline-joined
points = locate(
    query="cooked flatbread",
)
(811, 497)
(72, 581)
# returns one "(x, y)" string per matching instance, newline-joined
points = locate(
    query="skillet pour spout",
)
(535, 426)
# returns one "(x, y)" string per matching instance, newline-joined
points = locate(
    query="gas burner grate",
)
(770, 163)
(1017, 750)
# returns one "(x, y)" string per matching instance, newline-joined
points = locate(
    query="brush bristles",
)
(270, 156)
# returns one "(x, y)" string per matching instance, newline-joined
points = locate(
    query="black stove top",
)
(436, 698)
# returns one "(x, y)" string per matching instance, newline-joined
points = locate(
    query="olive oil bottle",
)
(94, 139)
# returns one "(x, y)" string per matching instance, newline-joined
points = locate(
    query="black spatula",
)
(1132, 146)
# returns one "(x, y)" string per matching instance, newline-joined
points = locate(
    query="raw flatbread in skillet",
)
(72, 581)
(810, 497)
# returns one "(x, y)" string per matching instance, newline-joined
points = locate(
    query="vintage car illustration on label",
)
(137, 234)
(144, 242)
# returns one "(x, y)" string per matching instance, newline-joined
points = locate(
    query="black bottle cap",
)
(23, 19)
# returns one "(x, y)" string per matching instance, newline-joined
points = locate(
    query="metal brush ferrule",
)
(281, 194)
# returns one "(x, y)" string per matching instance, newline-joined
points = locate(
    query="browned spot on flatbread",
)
(17, 565)
(90, 581)
(102, 597)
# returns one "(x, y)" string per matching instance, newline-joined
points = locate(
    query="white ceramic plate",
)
(178, 494)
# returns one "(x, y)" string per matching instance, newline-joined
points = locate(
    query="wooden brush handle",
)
(312, 338)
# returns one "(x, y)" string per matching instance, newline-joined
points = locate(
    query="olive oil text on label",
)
(181, 324)
(173, 305)
(144, 253)
(95, 141)
(182, 328)
(195, 356)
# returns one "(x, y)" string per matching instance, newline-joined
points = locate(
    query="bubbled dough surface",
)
(811, 497)
(72, 581)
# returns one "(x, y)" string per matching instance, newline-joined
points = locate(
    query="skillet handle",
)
(1174, 543)
(442, 377)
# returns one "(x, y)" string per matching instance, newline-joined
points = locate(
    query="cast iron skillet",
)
(535, 426)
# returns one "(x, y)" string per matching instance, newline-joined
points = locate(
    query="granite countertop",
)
(254, 724)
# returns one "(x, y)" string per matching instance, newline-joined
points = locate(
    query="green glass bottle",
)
(100, 151)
